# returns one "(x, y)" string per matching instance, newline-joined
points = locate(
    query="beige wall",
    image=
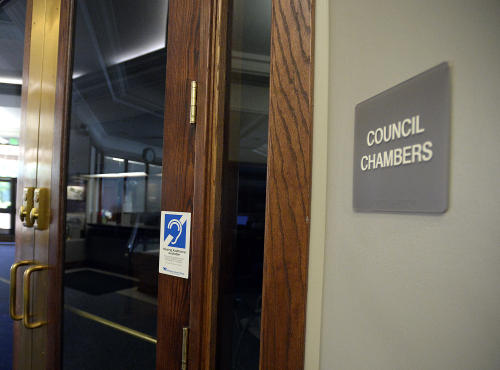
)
(319, 181)
(413, 291)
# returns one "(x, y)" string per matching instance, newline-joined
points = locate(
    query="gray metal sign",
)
(402, 146)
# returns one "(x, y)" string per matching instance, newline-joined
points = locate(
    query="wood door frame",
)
(288, 201)
(288, 195)
(179, 135)
(206, 234)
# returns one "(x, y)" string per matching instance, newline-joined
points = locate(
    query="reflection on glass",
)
(244, 196)
(153, 189)
(12, 26)
(114, 184)
(5, 195)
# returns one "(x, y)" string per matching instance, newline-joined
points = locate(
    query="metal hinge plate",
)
(192, 106)
(185, 337)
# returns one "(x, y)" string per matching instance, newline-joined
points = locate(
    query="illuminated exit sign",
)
(402, 145)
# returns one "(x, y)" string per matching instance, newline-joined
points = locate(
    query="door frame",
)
(288, 193)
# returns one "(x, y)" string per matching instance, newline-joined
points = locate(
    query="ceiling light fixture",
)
(11, 80)
(132, 54)
(115, 175)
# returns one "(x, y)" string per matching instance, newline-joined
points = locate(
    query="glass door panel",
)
(114, 185)
(12, 31)
(7, 205)
(244, 196)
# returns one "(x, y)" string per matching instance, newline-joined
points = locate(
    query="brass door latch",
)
(40, 213)
(35, 208)
(25, 209)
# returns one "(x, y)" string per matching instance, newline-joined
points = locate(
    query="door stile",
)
(40, 282)
(178, 168)
(206, 233)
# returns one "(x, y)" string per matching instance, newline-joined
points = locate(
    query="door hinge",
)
(192, 106)
(185, 337)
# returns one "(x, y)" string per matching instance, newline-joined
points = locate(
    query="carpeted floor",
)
(88, 344)
(6, 260)
(91, 345)
(95, 283)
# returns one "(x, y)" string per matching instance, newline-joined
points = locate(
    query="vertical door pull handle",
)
(13, 283)
(27, 297)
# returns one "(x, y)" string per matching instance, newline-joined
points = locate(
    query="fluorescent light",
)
(118, 159)
(132, 54)
(115, 175)
(11, 80)
(77, 74)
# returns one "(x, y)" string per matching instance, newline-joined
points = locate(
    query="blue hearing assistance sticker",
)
(174, 232)
(174, 243)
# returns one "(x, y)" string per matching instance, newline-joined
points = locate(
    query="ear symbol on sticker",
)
(178, 224)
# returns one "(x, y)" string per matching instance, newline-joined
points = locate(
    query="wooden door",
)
(192, 171)
(61, 115)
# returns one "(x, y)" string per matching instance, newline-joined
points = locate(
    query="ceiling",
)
(12, 14)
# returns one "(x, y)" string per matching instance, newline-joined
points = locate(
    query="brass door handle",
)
(27, 295)
(13, 283)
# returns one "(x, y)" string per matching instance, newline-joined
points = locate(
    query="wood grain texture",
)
(207, 192)
(288, 186)
(178, 169)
